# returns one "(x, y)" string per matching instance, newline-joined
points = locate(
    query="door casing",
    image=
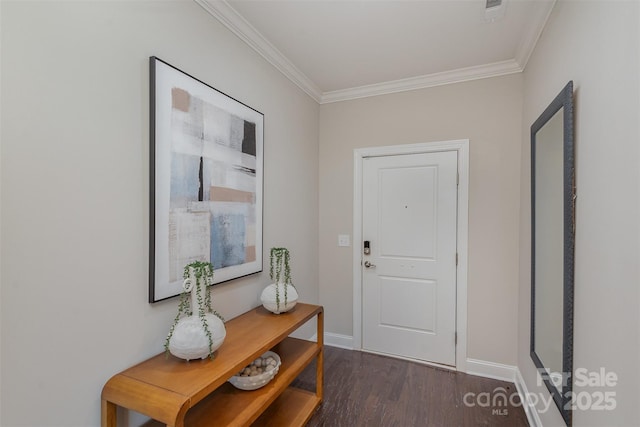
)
(462, 148)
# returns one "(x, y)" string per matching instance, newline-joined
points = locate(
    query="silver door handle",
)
(367, 264)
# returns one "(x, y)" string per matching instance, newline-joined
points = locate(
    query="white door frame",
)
(462, 147)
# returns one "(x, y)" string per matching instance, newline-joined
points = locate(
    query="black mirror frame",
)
(564, 100)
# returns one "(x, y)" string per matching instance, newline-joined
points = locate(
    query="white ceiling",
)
(344, 49)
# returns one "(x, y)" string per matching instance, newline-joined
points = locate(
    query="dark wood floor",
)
(362, 389)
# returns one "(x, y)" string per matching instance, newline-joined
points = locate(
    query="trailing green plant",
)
(202, 271)
(280, 271)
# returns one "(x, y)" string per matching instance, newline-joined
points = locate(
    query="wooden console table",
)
(196, 393)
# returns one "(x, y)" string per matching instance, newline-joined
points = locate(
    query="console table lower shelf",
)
(229, 406)
(196, 393)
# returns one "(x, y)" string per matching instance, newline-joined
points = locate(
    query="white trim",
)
(497, 371)
(338, 340)
(227, 15)
(529, 41)
(358, 157)
(529, 409)
(230, 18)
(462, 147)
(335, 340)
(425, 81)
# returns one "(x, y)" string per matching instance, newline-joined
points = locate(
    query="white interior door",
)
(409, 278)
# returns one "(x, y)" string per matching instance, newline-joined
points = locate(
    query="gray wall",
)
(596, 44)
(488, 113)
(75, 191)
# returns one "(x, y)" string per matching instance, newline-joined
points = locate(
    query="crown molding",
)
(230, 18)
(223, 12)
(421, 82)
(528, 43)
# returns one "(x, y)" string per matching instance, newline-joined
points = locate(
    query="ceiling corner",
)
(238, 25)
(227, 15)
(529, 41)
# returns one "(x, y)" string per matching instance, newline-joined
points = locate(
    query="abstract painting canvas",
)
(206, 181)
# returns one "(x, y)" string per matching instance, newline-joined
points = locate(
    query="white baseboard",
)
(497, 371)
(335, 340)
(530, 411)
(338, 340)
(509, 373)
(480, 368)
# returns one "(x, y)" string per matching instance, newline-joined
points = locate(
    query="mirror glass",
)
(552, 241)
(549, 245)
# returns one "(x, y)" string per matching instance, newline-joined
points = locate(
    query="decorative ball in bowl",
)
(258, 373)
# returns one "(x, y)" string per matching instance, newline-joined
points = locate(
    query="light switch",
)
(343, 240)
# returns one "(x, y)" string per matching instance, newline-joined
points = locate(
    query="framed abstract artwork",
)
(206, 170)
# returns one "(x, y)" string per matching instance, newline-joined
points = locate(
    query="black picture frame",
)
(206, 181)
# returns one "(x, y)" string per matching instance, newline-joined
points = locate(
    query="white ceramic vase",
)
(189, 339)
(274, 292)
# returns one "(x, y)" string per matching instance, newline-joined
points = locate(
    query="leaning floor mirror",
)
(552, 247)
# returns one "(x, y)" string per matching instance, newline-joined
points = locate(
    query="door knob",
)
(367, 264)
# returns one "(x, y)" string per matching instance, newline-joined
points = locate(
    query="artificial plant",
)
(280, 271)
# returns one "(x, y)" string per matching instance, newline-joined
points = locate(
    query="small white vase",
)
(189, 339)
(270, 301)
